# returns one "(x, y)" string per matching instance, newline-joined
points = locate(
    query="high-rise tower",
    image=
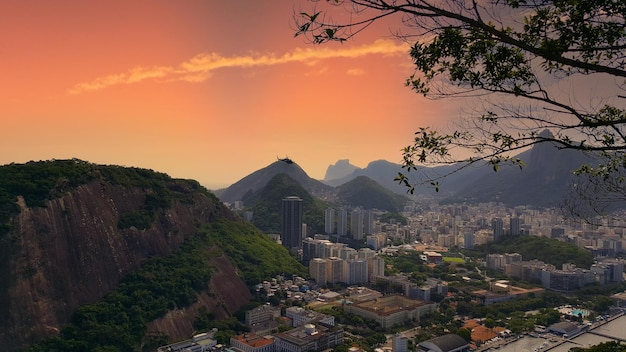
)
(356, 224)
(329, 221)
(497, 226)
(342, 222)
(292, 222)
(514, 226)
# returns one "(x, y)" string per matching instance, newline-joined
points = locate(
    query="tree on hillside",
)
(531, 64)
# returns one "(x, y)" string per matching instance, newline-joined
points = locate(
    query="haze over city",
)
(208, 90)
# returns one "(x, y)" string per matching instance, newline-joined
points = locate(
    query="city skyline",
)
(210, 91)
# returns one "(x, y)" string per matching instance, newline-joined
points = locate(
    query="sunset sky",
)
(207, 90)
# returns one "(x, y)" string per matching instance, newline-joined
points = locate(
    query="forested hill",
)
(101, 256)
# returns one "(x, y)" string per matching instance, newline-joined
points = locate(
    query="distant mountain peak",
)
(340, 169)
(546, 134)
(259, 179)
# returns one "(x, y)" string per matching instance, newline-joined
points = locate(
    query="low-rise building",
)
(198, 343)
(300, 316)
(391, 310)
(309, 338)
(261, 314)
(251, 342)
(445, 343)
(565, 329)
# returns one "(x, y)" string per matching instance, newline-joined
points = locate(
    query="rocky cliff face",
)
(71, 252)
(228, 295)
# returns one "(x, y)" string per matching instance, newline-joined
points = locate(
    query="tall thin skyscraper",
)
(342, 222)
(368, 222)
(356, 224)
(292, 222)
(329, 221)
(515, 226)
(498, 228)
(468, 240)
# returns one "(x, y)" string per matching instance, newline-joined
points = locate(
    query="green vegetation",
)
(266, 205)
(394, 218)
(612, 346)
(118, 322)
(253, 253)
(368, 194)
(162, 191)
(40, 181)
(453, 260)
(37, 182)
(141, 220)
(548, 250)
(226, 328)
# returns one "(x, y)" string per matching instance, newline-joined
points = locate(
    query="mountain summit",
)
(259, 179)
(340, 169)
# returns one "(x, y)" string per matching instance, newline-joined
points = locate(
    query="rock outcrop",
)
(71, 252)
(228, 295)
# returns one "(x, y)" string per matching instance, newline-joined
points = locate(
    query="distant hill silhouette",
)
(381, 171)
(340, 169)
(259, 179)
(544, 181)
(368, 194)
(263, 190)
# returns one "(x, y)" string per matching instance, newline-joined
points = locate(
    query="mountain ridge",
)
(543, 181)
(259, 179)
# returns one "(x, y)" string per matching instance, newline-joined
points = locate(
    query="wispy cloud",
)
(200, 67)
(355, 72)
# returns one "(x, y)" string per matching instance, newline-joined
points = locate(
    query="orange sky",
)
(208, 90)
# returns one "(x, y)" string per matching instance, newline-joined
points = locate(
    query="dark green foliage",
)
(612, 346)
(226, 328)
(368, 194)
(548, 250)
(406, 263)
(38, 181)
(266, 205)
(465, 334)
(254, 254)
(118, 322)
(204, 320)
(504, 309)
(139, 219)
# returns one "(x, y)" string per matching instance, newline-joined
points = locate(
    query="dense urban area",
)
(435, 278)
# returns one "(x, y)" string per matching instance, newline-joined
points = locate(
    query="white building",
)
(355, 271)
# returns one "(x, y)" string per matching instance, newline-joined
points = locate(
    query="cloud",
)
(355, 72)
(200, 67)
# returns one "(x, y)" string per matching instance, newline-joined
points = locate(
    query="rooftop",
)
(253, 340)
(388, 305)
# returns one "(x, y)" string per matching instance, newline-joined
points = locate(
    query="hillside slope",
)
(72, 231)
(368, 194)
